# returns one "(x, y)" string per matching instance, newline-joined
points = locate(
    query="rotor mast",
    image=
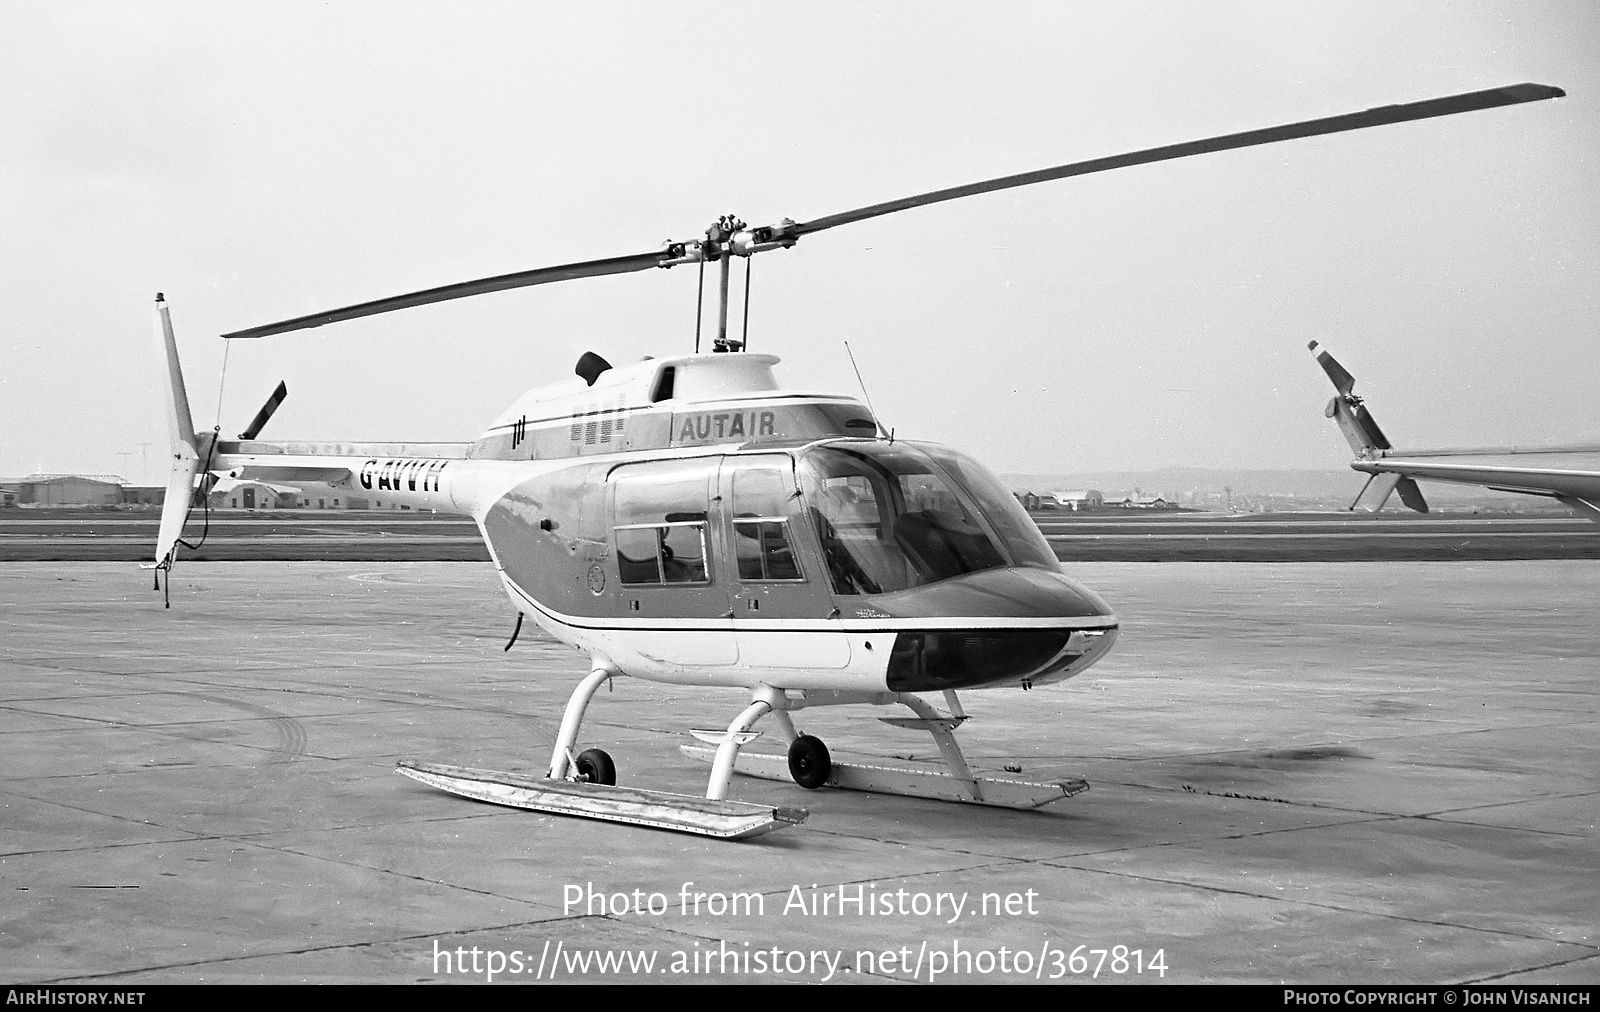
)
(730, 223)
(726, 238)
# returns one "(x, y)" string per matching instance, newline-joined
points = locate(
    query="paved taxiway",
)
(1367, 772)
(67, 535)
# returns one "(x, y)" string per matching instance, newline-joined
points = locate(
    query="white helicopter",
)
(683, 520)
(1568, 474)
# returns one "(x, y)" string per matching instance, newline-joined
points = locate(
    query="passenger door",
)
(782, 608)
(663, 529)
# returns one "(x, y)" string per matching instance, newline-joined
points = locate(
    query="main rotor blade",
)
(444, 293)
(1380, 116)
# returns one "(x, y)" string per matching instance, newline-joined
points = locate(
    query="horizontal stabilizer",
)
(1582, 507)
(226, 485)
(268, 473)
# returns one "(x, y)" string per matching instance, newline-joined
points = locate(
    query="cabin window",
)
(764, 550)
(664, 384)
(762, 544)
(668, 553)
(659, 522)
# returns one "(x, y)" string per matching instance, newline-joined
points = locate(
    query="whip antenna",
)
(887, 432)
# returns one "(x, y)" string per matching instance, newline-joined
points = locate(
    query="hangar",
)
(67, 490)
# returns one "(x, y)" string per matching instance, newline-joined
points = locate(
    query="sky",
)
(256, 161)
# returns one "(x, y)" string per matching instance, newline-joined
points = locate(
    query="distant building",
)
(67, 490)
(1140, 501)
(143, 495)
(230, 493)
(316, 495)
(227, 493)
(1080, 499)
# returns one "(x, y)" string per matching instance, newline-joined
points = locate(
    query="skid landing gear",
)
(583, 785)
(727, 820)
(809, 764)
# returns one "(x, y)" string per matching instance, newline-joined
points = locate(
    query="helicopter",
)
(684, 520)
(1568, 474)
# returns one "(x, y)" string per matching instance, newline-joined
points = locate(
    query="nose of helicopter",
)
(1017, 626)
(1012, 593)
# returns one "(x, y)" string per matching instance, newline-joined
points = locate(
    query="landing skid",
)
(726, 820)
(910, 783)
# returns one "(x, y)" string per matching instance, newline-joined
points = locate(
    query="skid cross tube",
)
(572, 719)
(946, 740)
(728, 751)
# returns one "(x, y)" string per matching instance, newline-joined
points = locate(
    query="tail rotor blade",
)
(253, 430)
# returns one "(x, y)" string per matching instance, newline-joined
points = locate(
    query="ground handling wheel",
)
(809, 763)
(596, 767)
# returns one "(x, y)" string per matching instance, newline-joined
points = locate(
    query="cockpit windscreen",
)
(892, 516)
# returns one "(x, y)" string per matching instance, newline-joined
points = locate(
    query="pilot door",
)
(783, 612)
(671, 580)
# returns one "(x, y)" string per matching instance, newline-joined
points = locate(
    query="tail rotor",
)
(1357, 424)
(1365, 438)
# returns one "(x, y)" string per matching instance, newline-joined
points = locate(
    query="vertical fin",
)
(184, 453)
